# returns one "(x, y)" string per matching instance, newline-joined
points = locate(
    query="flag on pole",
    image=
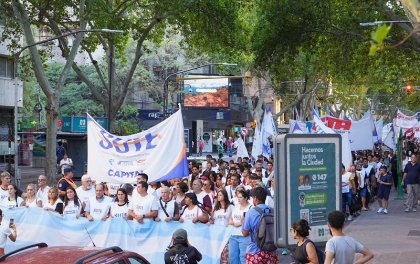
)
(257, 143)
(389, 140)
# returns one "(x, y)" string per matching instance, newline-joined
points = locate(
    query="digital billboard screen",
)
(211, 93)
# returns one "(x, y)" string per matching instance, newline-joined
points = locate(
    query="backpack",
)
(319, 253)
(264, 237)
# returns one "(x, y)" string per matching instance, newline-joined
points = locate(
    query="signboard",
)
(208, 93)
(308, 170)
(146, 114)
(208, 141)
(244, 131)
(78, 124)
(187, 140)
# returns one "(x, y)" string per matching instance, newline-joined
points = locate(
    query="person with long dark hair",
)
(119, 208)
(73, 207)
(193, 212)
(13, 200)
(305, 251)
(222, 209)
(237, 242)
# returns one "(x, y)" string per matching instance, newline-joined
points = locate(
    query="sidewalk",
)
(393, 238)
(387, 236)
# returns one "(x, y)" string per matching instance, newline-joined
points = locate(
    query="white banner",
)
(405, 121)
(361, 135)
(160, 152)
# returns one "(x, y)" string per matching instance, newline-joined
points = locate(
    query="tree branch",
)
(137, 56)
(74, 48)
(38, 68)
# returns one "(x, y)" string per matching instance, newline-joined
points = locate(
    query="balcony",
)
(7, 93)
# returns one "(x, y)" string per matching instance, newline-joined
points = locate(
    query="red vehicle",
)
(41, 253)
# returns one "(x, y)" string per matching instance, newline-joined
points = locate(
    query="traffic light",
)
(409, 89)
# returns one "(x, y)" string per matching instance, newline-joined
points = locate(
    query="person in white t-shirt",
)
(42, 193)
(119, 208)
(341, 248)
(66, 162)
(73, 207)
(191, 212)
(143, 206)
(168, 208)
(222, 209)
(86, 191)
(6, 232)
(5, 181)
(98, 207)
(237, 242)
(13, 200)
(346, 194)
(31, 200)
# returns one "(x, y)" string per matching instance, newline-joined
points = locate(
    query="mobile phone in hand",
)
(11, 222)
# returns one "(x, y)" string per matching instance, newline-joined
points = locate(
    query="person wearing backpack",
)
(259, 225)
(306, 251)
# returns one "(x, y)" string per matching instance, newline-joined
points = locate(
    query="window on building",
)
(6, 67)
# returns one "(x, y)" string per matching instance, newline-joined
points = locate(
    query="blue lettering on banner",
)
(123, 174)
(109, 141)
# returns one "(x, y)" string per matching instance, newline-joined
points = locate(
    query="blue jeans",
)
(237, 249)
(346, 199)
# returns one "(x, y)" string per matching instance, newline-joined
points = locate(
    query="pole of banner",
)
(400, 193)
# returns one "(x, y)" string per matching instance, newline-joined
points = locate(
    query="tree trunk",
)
(51, 158)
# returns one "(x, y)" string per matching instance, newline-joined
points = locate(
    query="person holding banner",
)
(73, 207)
(168, 208)
(193, 212)
(143, 206)
(98, 207)
(119, 208)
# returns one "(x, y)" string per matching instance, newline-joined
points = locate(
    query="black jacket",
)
(182, 253)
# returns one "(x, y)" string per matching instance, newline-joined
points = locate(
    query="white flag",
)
(257, 143)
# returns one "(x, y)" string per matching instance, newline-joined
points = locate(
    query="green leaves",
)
(378, 36)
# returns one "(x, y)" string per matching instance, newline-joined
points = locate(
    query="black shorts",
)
(383, 193)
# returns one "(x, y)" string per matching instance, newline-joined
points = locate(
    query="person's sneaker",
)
(414, 210)
(350, 218)
(364, 209)
(385, 211)
(284, 251)
(380, 210)
(407, 210)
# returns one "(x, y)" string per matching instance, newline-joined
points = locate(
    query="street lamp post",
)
(16, 62)
(165, 83)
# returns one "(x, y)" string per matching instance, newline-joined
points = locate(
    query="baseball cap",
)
(180, 235)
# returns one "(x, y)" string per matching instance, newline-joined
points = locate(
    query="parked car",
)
(41, 253)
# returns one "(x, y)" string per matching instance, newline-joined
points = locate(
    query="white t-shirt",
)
(3, 193)
(345, 182)
(12, 204)
(169, 207)
(71, 210)
(119, 211)
(65, 163)
(231, 192)
(99, 208)
(43, 195)
(221, 217)
(47, 205)
(237, 215)
(4, 234)
(85, 196)
(188, 214)
(34, 203)
(143, 204)
(344, 248)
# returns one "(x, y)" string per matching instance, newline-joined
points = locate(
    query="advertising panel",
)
(208, 93)
(311, 181)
